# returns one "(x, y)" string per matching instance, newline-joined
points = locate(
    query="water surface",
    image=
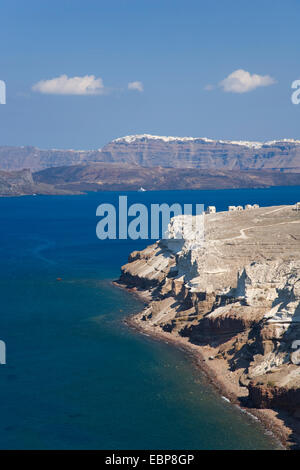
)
(76, 376)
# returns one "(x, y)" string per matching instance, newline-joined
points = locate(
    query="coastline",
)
(284, 429)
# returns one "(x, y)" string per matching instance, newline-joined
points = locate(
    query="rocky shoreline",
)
(238, 323)
(274, 425)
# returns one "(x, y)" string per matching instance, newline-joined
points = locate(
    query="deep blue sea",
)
(76, 377)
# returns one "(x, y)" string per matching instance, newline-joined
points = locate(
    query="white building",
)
(248, 206)
(297, 206)
(255, 206)
(239, 208)
(232, 208)
(211, 210)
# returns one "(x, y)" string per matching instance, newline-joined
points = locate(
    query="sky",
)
(80, 73)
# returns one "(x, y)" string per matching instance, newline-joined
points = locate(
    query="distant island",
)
(152, 162)
(235, 304)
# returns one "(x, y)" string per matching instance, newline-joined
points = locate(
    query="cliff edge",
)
(236, 299)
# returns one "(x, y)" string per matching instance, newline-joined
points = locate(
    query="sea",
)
(76, 376)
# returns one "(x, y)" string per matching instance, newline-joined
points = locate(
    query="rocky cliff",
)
(18, 158)
(156, 163)
(21, 183)
(16, 183)
(203, 153)
(168, 152)
(238, 293)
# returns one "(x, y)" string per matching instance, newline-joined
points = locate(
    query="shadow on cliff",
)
(239, 348)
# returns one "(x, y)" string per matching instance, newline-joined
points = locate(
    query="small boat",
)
(142, 190)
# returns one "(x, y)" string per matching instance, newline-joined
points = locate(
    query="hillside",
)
(109, 177)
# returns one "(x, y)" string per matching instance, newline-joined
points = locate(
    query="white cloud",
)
(138, 86)
(242, 81)
(64, 85)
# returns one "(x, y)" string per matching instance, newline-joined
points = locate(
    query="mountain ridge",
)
(246, 143)
(148, 150)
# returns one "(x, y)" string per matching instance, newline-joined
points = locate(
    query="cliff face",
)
(16, 182)
(176, 152)
(18, 158)
(21, 183)
(167, 152)
(239, 291)
(264, 396)
(156, 163)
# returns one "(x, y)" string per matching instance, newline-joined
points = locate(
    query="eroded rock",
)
(240, 290)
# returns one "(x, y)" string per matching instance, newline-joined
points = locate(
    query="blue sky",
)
(174, 53)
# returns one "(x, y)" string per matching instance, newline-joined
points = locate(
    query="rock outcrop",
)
(21, 183)
(15, 183)
(238, 291)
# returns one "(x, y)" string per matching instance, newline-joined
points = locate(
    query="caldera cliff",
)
(235, 299)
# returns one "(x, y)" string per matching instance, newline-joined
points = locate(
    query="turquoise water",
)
(76, 376)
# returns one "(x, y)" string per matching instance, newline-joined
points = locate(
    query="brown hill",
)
(109, 177)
